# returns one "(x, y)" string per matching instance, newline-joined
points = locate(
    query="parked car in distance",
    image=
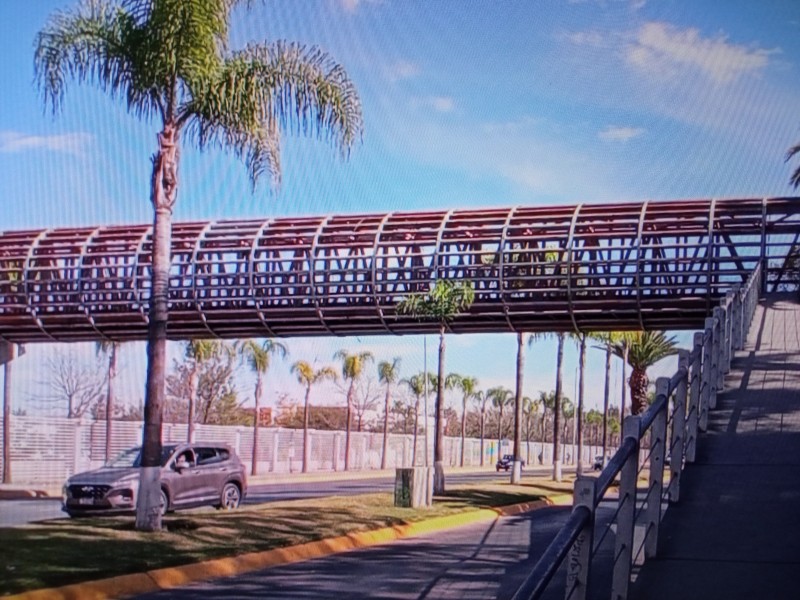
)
(506, 462)
(599, 462)
(191, 475)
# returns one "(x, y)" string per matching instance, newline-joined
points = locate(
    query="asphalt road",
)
(487, 560)
(14, 513)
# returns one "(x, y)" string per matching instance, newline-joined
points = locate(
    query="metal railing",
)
(693, 390)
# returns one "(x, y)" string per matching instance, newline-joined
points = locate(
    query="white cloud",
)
(664, 50)
(613, 133)
(351, 6)
(593, 39)
(442, 104)
(403, 70)
(12, 142)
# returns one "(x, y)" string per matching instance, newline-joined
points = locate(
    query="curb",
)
(170, 577)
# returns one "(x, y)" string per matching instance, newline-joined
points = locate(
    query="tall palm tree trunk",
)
(112, 373)
(256, 425)
(624, 386)
(579, 412)
(164, 187)
(438, 440)
(463, 428)
(515, 472)
(305, 430)
(557, 411)
(192, 404)
(416, 433)
(347, 426)
(385, 448)
(483, 422)
(605, 401)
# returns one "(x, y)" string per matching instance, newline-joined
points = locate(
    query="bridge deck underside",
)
(656, 265)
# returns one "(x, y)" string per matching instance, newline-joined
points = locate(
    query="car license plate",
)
(85, 500)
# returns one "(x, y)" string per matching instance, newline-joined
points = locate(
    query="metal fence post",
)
(678, 441)
(693, 410)
(707, 373)
(580, 558)
(658, 441)
(626, 515)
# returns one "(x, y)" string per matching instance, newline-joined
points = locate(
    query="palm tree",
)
(442, 303)
(606, 338)
(795, 179)
(481, 399)
(258, 357)
(547, 401)
(518, 405)
(387, 373)
(109, 349)
(644, 349)
(468, 387)
(416, 383)
(568, 412)
(530, 408)
(580, 342)
(352, 367)
(556, 399)
(197, 352)
(170, 59)
(500, 397)
(307, 376)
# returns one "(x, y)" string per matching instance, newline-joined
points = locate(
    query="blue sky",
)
(466, 104)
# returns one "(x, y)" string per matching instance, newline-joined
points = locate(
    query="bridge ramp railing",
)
(669, 428)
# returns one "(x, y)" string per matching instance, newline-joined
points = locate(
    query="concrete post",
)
(580, 559)
(716, 357)
(658, 441)
(626, 514)
(678, 440)
(693, 409)
(707, 373)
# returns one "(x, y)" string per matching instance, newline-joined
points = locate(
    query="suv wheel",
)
(164, 503)
(230, 497)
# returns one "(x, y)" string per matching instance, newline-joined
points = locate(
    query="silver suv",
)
(191, 475)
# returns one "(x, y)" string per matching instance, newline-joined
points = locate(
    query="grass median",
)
(65, 551)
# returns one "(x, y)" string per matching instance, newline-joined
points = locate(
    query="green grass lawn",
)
(64, 551)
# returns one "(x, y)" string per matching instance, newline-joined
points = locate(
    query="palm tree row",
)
(643, 349)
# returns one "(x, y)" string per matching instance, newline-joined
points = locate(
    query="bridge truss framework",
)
(590, 267)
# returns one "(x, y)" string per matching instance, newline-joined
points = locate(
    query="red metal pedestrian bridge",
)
(590, 267)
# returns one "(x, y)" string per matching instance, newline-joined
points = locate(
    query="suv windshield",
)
(133, 458)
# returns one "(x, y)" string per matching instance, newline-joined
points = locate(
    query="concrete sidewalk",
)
(735, 533)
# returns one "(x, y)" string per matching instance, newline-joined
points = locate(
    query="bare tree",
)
(79, 384)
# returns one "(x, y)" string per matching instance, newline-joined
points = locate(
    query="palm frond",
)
(95, 43)
(264, 89)
(795, 178)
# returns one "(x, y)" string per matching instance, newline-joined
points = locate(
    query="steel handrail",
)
(708, 360)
